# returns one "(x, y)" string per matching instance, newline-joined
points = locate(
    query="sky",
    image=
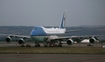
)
(50, 12)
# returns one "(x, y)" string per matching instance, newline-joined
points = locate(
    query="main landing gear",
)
(53, 44)
(37, 45)
(90, 44)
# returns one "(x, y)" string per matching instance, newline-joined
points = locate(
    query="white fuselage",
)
(54, 30)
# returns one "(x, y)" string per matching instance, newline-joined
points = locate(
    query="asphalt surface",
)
(51, 58)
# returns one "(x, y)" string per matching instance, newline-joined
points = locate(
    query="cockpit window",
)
(35, 28)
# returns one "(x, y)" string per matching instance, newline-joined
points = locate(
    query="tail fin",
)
(62, 24)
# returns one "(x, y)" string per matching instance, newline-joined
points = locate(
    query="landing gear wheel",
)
(51, 45)
(28, 45)
(38, 45)
(90, 44)
(45, 46)
(60, 45)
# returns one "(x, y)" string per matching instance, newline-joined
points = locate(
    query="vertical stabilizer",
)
(62, 24)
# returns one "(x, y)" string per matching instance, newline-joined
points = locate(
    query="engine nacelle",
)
(93, 40)
(70, 41)
(8, 39)
(21, 41)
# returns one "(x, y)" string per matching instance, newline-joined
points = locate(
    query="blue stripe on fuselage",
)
(38, 31)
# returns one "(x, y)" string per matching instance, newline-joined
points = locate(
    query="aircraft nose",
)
(32, 33)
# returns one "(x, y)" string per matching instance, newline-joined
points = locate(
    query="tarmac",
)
(51, 57)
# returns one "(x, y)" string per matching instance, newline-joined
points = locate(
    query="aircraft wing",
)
(16, 36)
(78, 39)
(21, 38)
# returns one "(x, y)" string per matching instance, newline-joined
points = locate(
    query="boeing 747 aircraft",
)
(51, 36)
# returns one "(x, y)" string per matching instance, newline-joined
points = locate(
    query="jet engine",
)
(70, 41)
(8, 39)
(21, 41)
(93, 40)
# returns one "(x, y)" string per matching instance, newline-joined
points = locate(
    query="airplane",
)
(51, 36)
